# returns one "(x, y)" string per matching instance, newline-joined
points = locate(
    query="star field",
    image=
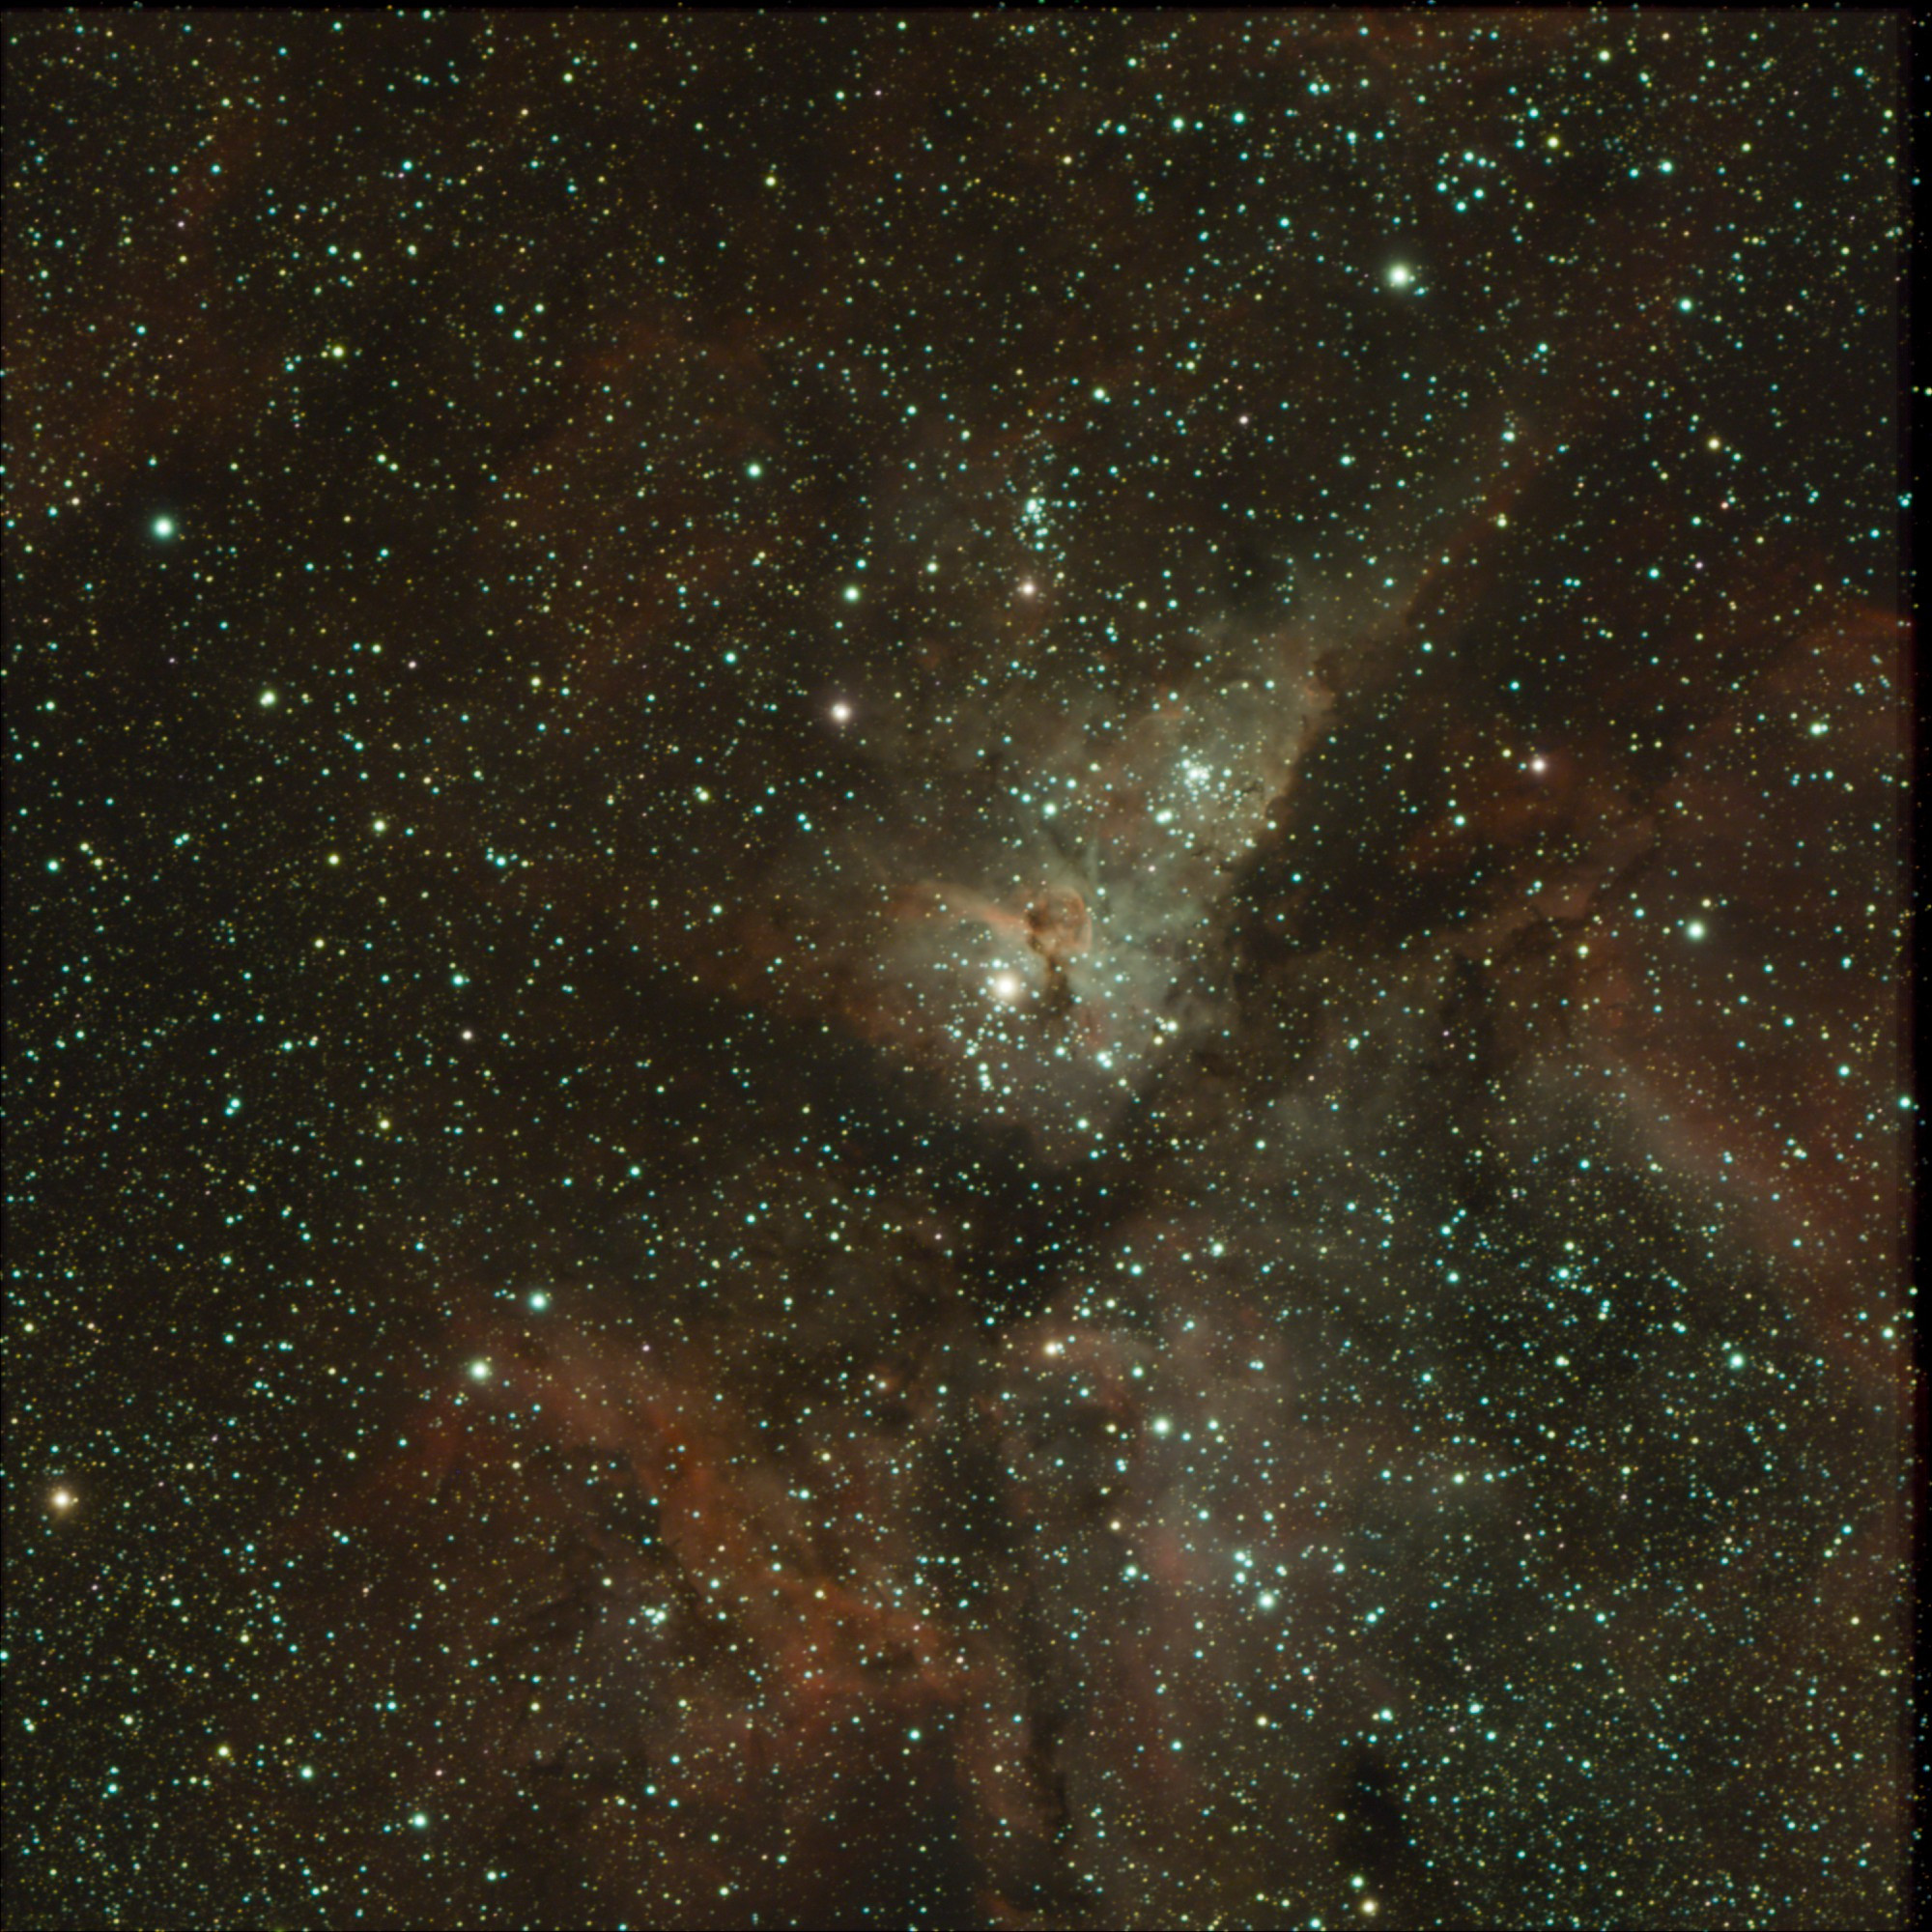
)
(956, 969)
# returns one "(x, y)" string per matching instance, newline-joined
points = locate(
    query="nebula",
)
(958, 971)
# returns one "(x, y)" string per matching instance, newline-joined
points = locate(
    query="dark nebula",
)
(956, 969)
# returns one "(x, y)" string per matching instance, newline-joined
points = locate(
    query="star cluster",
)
(955, 970)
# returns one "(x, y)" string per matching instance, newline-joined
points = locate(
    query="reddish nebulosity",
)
(1765, 1112)
(798, 1623)
(1517, 994)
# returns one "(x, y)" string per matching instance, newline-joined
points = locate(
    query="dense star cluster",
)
(956, 969)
